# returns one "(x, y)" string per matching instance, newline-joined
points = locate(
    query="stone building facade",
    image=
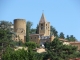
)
(19, 30)
(44, 32)
(42, 37)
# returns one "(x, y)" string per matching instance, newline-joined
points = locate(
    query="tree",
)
(37, 29)
(33, 31)
(57, 50)
(5, 25)
(5, 32)
(29, 25)
(72, 38)
(27, 34)
(31, 45)
(67, 37)
(61, 35)
(5, 40)
(5, 37)
(53, 31)
(28, 30)
(21, 54)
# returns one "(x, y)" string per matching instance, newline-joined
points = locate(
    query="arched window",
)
(46, 24)
(41, 24)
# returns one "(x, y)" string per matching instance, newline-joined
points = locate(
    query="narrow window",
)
(46, 24)
(41, 24)
(35, 37)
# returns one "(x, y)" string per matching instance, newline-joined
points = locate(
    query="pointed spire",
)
(43, 19)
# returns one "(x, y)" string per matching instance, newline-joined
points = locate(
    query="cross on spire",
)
(42, 11)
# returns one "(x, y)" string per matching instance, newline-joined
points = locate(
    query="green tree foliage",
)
(28, 30)
(5, 40)
(27, 35)
(37, 29)
(57, 51)
(67, 37)
(22, 55)
(31, 45)
(15, 55)
(5, 37)
(29, 25)
(61, 35)
(71, 38)
(5, 25)
(5, 31)
(33, 31)
(53, 31)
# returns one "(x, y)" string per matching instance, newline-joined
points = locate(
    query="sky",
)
(64, 15)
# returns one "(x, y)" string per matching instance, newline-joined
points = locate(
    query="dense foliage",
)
(31, 45)
(57, 51)
(21, 54)
(28, 30)
(61, 35)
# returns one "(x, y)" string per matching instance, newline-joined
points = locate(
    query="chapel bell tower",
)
(44, 26)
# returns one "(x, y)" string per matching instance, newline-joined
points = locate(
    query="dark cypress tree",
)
(28, 30)
(53, 31)
(61, 35)
(72, 38)
(37, 29)
(27, 34)
(67, 37)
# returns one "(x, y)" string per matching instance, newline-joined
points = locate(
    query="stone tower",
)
(20, 29)
(44, 26)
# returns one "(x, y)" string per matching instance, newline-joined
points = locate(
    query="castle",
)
(42, 37)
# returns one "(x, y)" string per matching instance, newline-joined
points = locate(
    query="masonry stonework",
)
(43, 36)
(20, 29)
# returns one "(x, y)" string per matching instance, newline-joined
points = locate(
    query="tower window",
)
(46, 24)
(35, 37)
(41, 24)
